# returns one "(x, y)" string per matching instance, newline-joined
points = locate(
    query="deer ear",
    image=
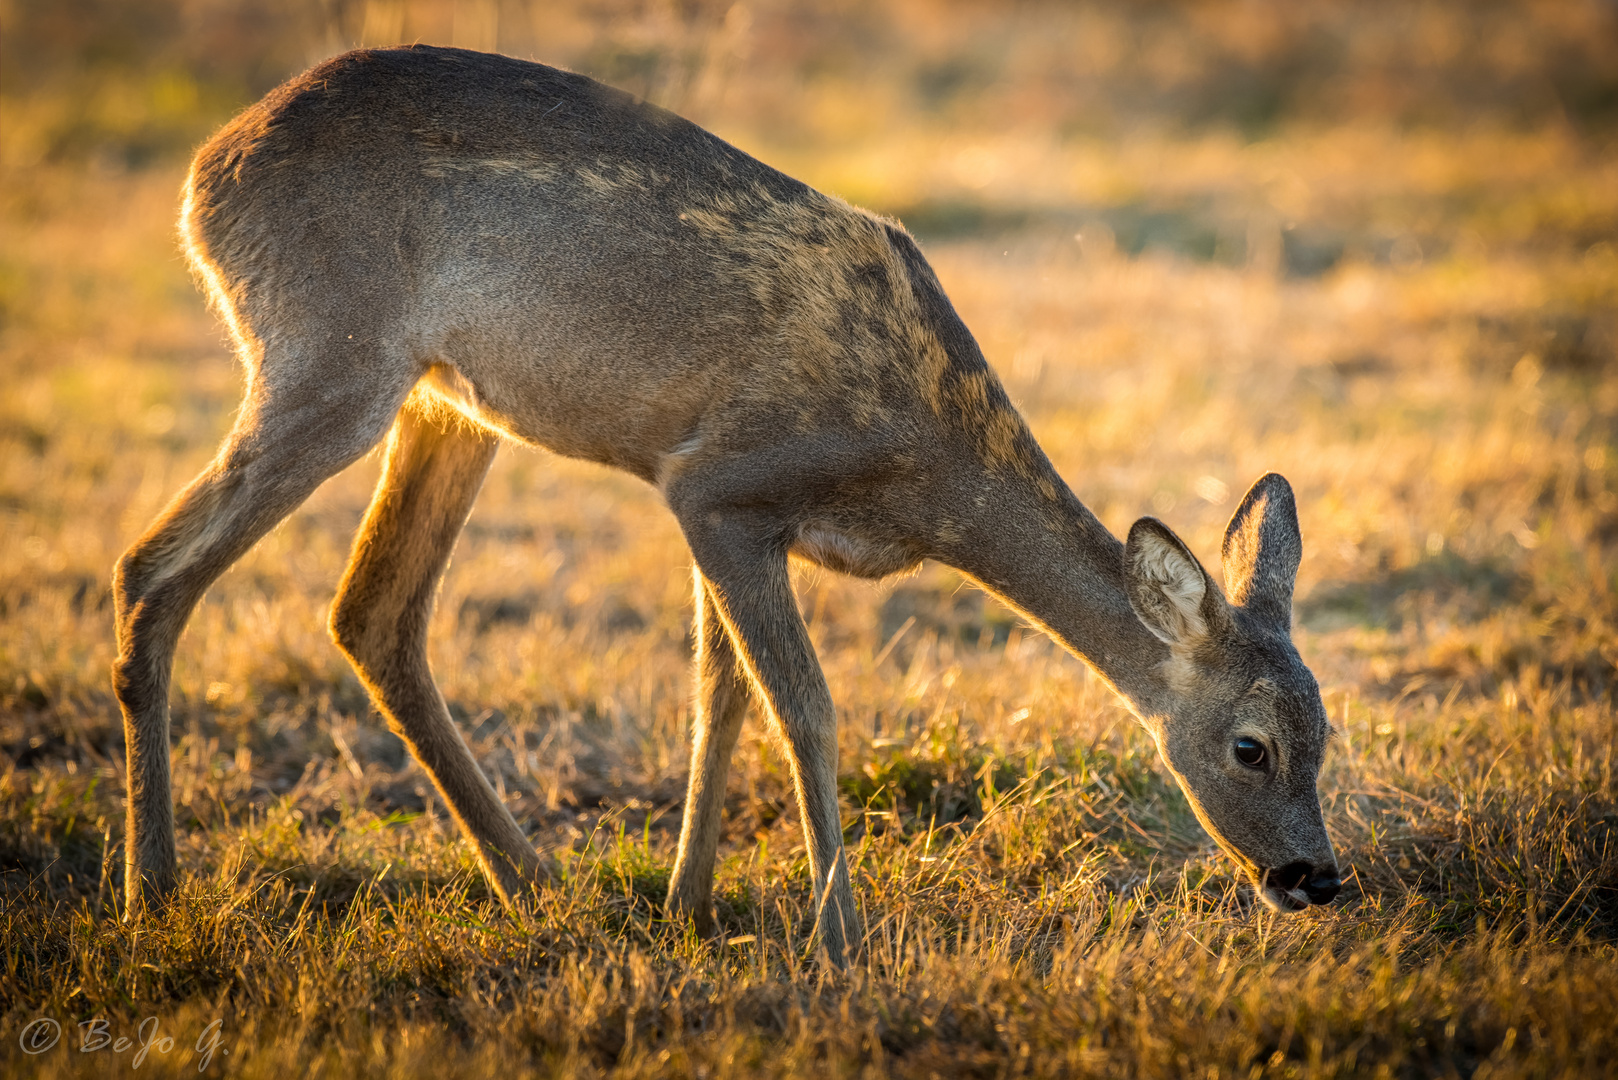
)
(1169, 590)
(1262, 550)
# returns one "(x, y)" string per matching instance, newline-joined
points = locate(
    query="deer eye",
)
(1250, 752)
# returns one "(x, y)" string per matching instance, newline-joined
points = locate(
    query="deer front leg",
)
(746, 574)
(720, 703)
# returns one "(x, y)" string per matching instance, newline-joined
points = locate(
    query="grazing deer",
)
(447, 248)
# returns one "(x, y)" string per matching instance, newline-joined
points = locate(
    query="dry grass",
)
(1416, 322)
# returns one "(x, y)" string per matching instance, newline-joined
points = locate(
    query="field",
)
(1368, 246)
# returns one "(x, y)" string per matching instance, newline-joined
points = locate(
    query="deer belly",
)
(840, 550)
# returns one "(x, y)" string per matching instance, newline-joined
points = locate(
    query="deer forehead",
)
(1223, 695)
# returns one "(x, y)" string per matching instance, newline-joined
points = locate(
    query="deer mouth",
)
(1297, 886)
(1284, 900)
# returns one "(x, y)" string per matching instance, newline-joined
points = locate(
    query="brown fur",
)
(462, 246)
(429, 481)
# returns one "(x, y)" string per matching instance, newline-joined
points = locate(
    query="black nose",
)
(1323, 887)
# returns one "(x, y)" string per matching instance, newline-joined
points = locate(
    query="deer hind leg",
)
(284, 444)
(429, 482)
(721, 699)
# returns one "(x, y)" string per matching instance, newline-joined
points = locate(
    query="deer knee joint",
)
(363, 638)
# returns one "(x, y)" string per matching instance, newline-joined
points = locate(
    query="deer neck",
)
(1034, 546)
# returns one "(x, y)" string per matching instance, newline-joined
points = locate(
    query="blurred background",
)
(1368, 244)
(1194, 128)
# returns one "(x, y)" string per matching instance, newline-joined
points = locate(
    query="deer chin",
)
(1286, 901)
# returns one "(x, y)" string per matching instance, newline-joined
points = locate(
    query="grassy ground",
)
(1416, 322)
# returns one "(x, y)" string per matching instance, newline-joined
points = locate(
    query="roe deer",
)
(448, 247)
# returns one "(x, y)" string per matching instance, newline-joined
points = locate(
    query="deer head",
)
(1244, 730)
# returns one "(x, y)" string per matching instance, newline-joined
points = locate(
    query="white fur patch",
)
(670, 464)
